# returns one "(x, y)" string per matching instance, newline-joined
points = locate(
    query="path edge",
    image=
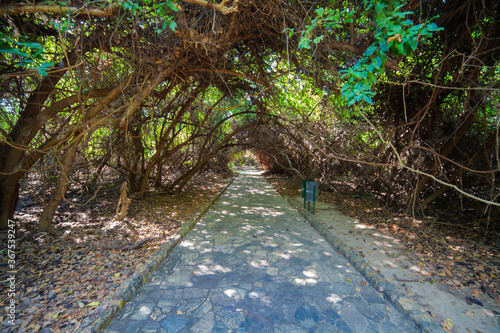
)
(111, 307)
(400, 301)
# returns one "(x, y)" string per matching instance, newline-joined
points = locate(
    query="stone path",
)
(253, 264)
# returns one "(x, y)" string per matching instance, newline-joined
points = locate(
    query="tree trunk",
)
(62, 186)
(183, 180)
(123, 203)
(31, 119)
(161, 145)
(9, 196)
(67, 161)
(490, 145)
(452, 141)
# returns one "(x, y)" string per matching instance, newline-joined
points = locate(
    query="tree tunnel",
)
(400, 96)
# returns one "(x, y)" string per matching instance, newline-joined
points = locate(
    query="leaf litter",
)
(455, 258)
(65, 276)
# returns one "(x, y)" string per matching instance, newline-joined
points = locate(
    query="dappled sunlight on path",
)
(253, 264)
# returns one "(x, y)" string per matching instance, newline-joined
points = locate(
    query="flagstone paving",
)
(253, 264)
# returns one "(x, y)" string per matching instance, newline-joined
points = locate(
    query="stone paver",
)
(253, 264)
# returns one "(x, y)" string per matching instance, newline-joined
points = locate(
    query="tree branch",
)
(219, 7)
(31, 9)
(233, 73)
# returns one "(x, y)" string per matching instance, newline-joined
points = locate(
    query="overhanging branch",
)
(221, 7)
(31, 9)
(233, 73)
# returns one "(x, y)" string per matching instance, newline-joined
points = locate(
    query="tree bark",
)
(47, 9)
(182, 181)
(123, 203)
(62, 186)
(161, 145)
(13, 153)
(490, 145)
(452, 141)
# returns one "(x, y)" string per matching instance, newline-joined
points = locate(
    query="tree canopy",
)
(401, 97)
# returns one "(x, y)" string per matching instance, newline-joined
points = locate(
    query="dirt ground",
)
(448, 270)
(62, 278)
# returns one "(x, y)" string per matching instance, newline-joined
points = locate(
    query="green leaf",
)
(96, 303)
(320, 11)
(318, 39)
(14, 51)
(368, 99)
(172, 25)
(172, 6)
(369, 51)
(407, 23)
(304, 43)
(372, 78)
(30, 44)
(7, 50)
(379, 7)
(434, 27)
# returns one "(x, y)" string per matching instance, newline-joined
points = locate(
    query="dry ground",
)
(62, 278)
(446, 251)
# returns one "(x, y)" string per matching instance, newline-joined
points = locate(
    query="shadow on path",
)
(253, 264)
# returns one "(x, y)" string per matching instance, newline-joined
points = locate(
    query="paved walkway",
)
(252, 264)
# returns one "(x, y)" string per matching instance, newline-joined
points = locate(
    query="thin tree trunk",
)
(9, 196)
(62, 186)
(490, 145)
(450, 144)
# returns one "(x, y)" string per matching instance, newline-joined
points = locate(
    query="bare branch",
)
(29, 9)
(219, 7)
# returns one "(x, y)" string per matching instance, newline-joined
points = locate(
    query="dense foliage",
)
(400, 98)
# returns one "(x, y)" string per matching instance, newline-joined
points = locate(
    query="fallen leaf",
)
(96, 303)
(358, 289)
(469, 313)
(387, 309)
(179, 312)
(363, 283)
(348, 280)
(447, 325)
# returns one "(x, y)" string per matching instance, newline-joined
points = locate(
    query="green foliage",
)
(163, 10)
(327, 18)
(20, 51)
(23, 53)
(394, 34)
